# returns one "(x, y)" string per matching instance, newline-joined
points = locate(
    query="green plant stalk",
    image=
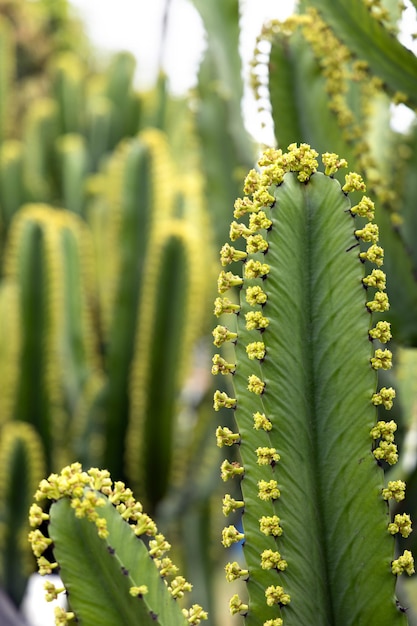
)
(135, 208)
(315, 384)
(7, 70)
(57, 356)
(73, 158)
(39, 135)
(168, 325)
(119, 89)
(21, 467)
(68, 88)
(11, 179)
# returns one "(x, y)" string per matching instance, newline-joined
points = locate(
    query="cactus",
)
(317, 521)
(22, 466)
(123, 559)
(315, 511)
(57, 357)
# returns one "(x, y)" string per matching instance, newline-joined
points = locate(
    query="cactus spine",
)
(316, 524)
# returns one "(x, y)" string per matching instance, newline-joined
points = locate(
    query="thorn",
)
(355, 245)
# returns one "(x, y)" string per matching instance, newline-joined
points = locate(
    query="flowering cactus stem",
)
(95, 529)
(315, 520)
(360, 27)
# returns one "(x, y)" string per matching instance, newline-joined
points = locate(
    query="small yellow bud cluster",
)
(230, 470)
(256, 350)
(386, 450)
(229, 254)
(237, 606)
(51, 591)
(231, 535)
(273, 560)
(221, 334)
(225, 437)
(267, 456)
(222, 401)
(268, 490)
(224, 305)
(404, 563)
(220, 366)
(332, 163)
(276, 595)
(256, 321)
(270, 525)
(62, 617)
(261, 421)
(138, 591)
(230, 505)
(227, 280)
(256, 385)
(195, 614)
(395, 490)
(255, 295)
(179, 586)
(401, 524)
(234, 572)
(256, 269)
(384, 396)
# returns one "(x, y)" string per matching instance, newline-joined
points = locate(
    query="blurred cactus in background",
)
(112, 203)
(104, 242)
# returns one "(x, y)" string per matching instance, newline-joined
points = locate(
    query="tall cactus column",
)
(317, 533)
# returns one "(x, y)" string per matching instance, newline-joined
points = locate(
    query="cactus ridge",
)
(61, 345)
(305, 403)
(131, 578)
(170, 324)
(21, 468)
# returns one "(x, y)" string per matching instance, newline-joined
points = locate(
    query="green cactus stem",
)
(317, 541)
(97, 527)
(57, 358)
(73, 158)
(21, 468)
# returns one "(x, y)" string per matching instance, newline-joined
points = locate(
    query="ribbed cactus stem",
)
(21, 467)
(97, 527)
(316, 525)
(57, 359)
